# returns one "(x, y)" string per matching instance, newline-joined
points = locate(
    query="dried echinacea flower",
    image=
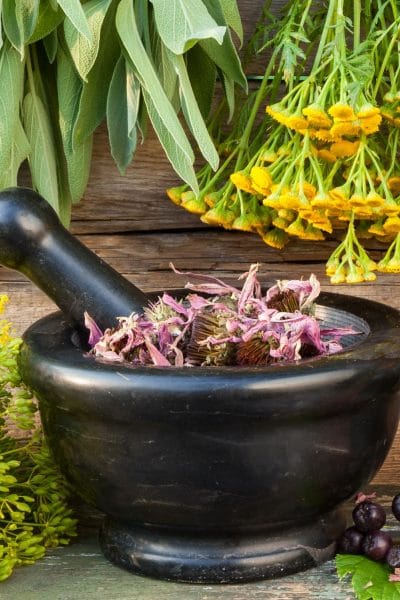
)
(217, 324)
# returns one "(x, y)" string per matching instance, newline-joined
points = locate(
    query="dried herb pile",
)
(229, 326)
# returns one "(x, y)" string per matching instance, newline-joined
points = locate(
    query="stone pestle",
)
(34, 242)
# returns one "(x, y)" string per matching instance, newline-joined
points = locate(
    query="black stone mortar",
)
(206, 474)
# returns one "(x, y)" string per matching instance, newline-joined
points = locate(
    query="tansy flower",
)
(308, 189)
(296, 122)
(193, 203)
(276, 238)
(268, 156)
(392, 225)
(345, 128)
(219, 215)
(344, 148)
(175, 194)
(370, 125)
(367, 110)
(242, 182)
(261, 179)
(394, 185)
(326, 155)
(324, 135)
(278, 113)
(390, 263)
(342, 112)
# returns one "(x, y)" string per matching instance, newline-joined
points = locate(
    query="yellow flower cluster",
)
(326, 161)
(5, 326)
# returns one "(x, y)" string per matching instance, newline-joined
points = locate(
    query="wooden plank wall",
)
(130, 223)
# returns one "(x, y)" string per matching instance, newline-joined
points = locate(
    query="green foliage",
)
(370, 579)
(34, 514)
(66, 65)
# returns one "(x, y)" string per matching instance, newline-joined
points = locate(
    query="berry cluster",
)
(366, 535)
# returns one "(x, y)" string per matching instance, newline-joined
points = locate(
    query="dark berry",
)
(376, 544)
(350, 542)
(396, 506)
(368, 516)
(393, 557)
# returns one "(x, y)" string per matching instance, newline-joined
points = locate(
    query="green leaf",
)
(128, 32)
(50, 43)
(42, 155)
(48, 20)
(75, 13)
(181, 23)
(83, 51)
(19, 20)
(182, 165)
(1, 28)
(122, 113)
(78, 156)
(18, 153)
(192, 113)
(232, 17)
(11, 90)
(370, 579)
(224, 56)
(203, 87)
(93, 100)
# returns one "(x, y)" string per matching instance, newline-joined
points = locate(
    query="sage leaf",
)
(18, 153)
(75, 13)
(1, 29)
(83, 51)
(78, 156)
(122, 113)
(225, 55)
(50, 43)
(203, 87)
(48, 20)
(11, 91)
(181, 23)
(19, 21)
(128, 32)
(93, 100)
(232, 17)
(41, 158)
(181, 163)
(192, 113)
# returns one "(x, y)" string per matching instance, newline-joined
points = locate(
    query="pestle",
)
(34, 242)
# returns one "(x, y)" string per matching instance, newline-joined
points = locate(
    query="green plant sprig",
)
(34, 514)
(67, 65)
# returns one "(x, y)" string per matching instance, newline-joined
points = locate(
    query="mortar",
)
(205, 474)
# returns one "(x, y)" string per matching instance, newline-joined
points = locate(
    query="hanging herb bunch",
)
(34, 514)
(65, 65)
(324, 160)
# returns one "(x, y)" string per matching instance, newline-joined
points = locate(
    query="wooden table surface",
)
(130, 223)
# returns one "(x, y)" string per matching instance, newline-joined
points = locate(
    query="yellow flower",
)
(219, 215)
(278, 113)
(367, 110)
(296, 122)
(394, 185)
(319, 123)
(374, 199)
(242, 182)
(339, 196)
(280, 222)
(345, 128)
(174, 194)
(3, 302)
(342, 112)
(344, 148)
(276, 238)
(354, 276)
(246, 222)
(314, 111)
(5, 336)
(326, 155)
(268, 156)
(377, 229)
(308, 189)
(261, 179)
(321, 200)
(371, 125)
(324, 135)
(392, 225)
(212, 198)
(339, 276)
(193, 203)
